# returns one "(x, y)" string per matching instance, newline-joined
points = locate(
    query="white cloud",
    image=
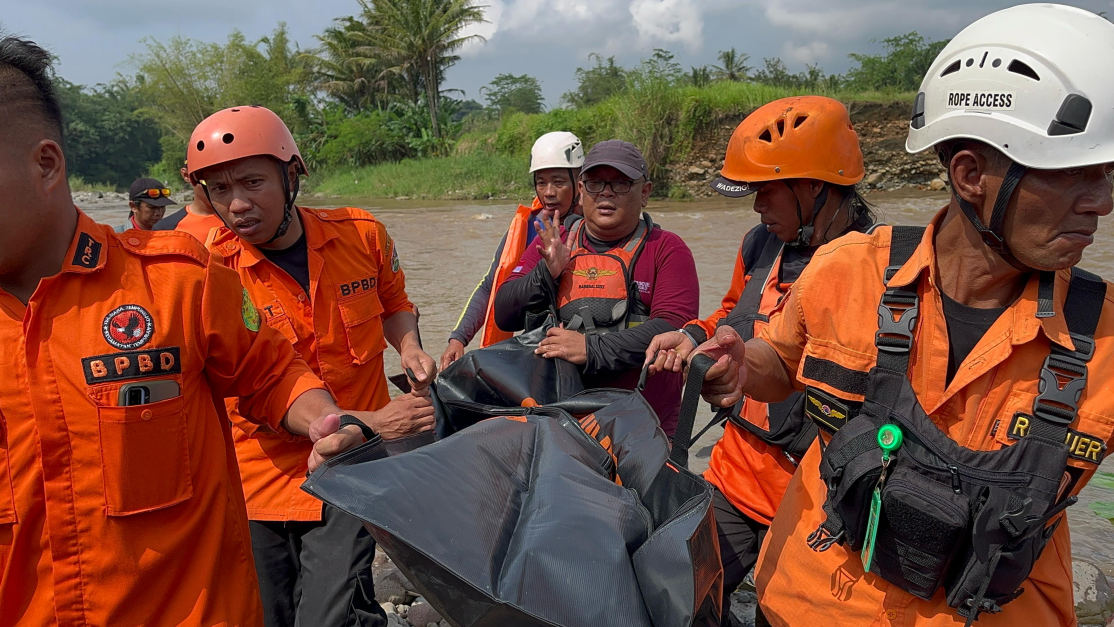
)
(663, 22)
(811, 52)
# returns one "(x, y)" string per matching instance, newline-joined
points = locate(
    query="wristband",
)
(684, 332)
(349, 419)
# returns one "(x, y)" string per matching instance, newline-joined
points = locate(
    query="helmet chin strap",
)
(289, 193)
(992, 235)
(804, 231)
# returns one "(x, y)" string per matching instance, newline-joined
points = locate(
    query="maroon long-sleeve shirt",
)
(665, 274)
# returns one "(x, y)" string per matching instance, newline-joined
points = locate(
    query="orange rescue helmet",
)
(239, 132)
(802, 137)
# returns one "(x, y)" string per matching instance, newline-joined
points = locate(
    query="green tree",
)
(699, 76)
(900, 68)
(350, 68)
(419, 37)
(660, 65)
(106, 141)
(508, 92)
(596, 83)
(733, 66)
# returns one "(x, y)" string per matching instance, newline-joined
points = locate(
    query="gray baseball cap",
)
(623, 156)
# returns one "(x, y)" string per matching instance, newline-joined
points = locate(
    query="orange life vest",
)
(595, 294)
(512, 251)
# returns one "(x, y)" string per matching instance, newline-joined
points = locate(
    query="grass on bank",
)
(490, 157)
(458, 177)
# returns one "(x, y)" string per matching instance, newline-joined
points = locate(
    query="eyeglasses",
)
(619, 187)
(154, 192)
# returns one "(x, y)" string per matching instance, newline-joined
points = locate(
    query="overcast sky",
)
(94, 39)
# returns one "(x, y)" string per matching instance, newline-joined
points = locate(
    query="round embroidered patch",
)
(128, 327)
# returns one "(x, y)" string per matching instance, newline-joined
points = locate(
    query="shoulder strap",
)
(898, 309)
(1064, 372)
(745, 312)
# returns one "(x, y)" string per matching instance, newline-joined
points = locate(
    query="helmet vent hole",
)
(765, 136)
(227, 138)
(799, 121)
(781, 127)
(954, 67)
(996, 62)
(200, 146)
(970, 62)
(1019, 67)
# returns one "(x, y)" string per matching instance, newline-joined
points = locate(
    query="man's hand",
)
(404, 415)
(565, 344)
(453, 352)
(553, 250)
(422, 365)
(723, 385)
(668, 352)
(328, 441)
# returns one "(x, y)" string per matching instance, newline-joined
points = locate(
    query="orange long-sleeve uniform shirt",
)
(827, 325)
(751, 473)
(128, 515)
(355, 282)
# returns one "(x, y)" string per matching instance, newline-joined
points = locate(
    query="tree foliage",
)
(596, 83)
(508, 92)
(106, 140)
(733, 66)
(419, 39)
(900, 68)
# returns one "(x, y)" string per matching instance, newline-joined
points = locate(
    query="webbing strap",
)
(690, 401)
(743, 316)
(898, 309)
(1064, 372)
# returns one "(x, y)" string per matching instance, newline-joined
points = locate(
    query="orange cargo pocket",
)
(363, 325)
(145, 457)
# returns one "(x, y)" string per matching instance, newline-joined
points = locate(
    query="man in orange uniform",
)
(329, 280)
(965, 369)
(801, 158)
(196, 218)
(120, 503)
(555, 161)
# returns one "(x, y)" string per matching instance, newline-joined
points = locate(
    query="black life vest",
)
(971, 522)
(596, 293)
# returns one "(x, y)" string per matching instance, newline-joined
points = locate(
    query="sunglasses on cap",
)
(154, 192)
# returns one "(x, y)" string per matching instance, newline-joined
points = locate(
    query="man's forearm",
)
(401, 331)
(311, 405)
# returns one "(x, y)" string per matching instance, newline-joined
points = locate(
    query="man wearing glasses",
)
(147, 199)
(615, 279)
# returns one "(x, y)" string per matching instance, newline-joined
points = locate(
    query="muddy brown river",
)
(446, 246)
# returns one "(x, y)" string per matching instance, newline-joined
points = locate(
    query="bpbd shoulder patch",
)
(1081, 446)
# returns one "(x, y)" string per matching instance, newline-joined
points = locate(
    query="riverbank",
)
(480, 171)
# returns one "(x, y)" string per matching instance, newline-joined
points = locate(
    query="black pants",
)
(740, 538)
(316, 573)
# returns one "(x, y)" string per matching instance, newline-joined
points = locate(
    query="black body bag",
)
(565, 514)
(972, 522)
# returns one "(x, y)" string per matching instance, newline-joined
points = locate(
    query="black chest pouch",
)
(928, 513)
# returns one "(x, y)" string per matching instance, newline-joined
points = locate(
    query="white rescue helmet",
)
(1032, 80)
(559, 149)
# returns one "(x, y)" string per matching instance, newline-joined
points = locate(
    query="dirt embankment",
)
(881, 127)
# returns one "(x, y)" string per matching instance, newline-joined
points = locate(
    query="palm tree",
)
(419, 38)
(734, 66)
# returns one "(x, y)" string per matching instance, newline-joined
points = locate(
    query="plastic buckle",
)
(1059, 402)
(896, 336)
